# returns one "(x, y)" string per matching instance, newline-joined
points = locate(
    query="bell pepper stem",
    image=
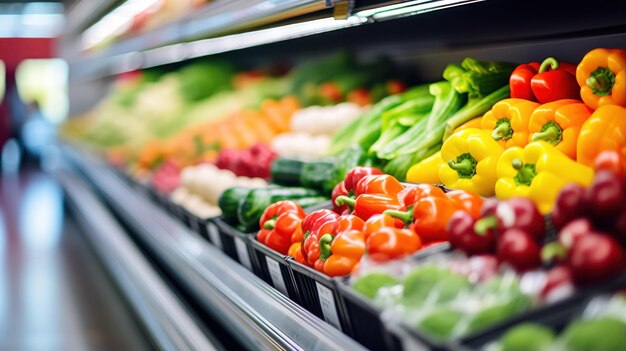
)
(550, 132)
(503, 130)
(484, 224)
(345, 200)
(549, 62)
(269, 224)
(552, 251)
(404, 216)
(325, 242)
(464, 165)
(525, 172)
(601, 81)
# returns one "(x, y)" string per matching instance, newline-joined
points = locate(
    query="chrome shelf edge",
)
(252, 310)
(162, 313)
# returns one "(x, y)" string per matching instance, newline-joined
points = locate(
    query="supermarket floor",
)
(54, 294)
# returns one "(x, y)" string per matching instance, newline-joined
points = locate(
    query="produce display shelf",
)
(257, 314)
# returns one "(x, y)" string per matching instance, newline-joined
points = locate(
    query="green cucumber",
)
(229, 202)
(287, 171)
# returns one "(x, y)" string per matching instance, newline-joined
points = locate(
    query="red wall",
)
(12, 52)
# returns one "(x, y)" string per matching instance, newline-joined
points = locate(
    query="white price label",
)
(242, 252)
(276, 275)
(327, 302)
(214, 235)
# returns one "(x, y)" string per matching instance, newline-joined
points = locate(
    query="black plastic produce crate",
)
(236, 244)
(274, 269)
(318, 293)
(365, 318)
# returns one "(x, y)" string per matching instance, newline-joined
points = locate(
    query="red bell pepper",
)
(520, 81)
(311, 225)
(555, 81)
(388, 243)
(339, 190)
(545, 82)
(356, 174)
(281, 223)
(410, 195)
(367, 205)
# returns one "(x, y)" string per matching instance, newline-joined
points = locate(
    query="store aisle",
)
(54, 294)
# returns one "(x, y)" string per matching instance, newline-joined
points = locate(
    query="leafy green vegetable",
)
(369, 284)
(203, 79)
(440, 323)
(602, 334)
(527, 337)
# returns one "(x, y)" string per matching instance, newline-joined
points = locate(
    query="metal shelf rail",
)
(166, 319)
(253, 311)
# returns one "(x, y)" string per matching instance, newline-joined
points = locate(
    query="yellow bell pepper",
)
(604, 130)
(602, 77)
(508, 121)
(559, 123)
(426, 171)
(470, 157)
(538, 171)
(472, 123)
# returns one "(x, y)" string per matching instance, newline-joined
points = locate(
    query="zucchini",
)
(251, 207)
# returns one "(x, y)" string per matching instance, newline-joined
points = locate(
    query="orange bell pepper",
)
(341, 246)
(472, 123)
(467, 200)
(602, 77)
(559, 124)
(508, 121)
(604, 130)
(378, 221)
(388, 243)
(428, 216)
(295, 251)
(346, 251)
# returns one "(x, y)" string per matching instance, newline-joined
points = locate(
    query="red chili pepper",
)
(555, 81)
(367, 205)
(388, 243)
(378, 184)
(339, 190)
(520, 81)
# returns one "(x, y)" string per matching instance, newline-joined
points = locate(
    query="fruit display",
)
(450, 208)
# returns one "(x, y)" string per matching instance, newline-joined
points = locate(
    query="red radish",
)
(462, 235)
(519, 249)
(596, 257)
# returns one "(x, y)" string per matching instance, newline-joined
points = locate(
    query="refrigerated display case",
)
(184, 274)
